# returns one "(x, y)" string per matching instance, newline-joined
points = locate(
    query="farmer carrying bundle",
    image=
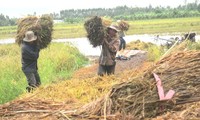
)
(33, 34)
(123, 26)
(96, 30)
(42, 28)
(100, 33)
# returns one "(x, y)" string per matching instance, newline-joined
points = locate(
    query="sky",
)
(21, 8)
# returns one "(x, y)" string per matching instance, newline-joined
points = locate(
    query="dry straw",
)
(42, 27)
(139, 97)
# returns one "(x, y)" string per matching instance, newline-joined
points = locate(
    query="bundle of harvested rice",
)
(123, 25)
(42, 27)
(96, 30)
(25, 24)
(139, 97)
(106, 21)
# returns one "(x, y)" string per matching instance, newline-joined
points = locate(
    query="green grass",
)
(154, 26)
(165, 26)
(8, 32)
(57, 62)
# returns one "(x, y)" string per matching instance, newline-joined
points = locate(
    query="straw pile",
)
(25, 109)
(123, 25)
(96, 30)
(42, 27)
(139, 97)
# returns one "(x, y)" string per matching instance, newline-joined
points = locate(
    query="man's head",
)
(112, 30)
(30, 36)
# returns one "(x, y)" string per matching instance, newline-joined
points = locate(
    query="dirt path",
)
(122, 65)
(134, 62)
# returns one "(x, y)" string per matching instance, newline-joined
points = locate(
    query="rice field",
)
(64, 30)
(165, 26)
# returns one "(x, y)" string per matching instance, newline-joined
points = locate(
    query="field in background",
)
(64, 30)
(165, 26)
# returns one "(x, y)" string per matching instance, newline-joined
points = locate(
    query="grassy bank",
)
(155, 26)
(56, 63)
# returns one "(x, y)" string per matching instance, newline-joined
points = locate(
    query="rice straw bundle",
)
(95, 30)
(106, 21)
(42, 27)
(123, 25)
(139, 97)
(46, 23)
(25, 24)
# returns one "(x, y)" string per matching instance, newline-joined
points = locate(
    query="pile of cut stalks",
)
(139, 97)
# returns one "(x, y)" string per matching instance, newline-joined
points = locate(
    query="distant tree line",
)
(132, 13)
(122, 12)
(6, 21)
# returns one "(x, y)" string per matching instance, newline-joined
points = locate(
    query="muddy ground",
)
(122, 65)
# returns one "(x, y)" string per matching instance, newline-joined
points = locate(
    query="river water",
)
(86, 48)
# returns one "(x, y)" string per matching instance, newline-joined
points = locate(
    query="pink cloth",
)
(161, 94)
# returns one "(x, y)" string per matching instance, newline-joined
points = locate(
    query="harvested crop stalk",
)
(41, 26)
(96, 30)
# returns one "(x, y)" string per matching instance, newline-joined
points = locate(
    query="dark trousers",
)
(33, 79)
(122, 43)
(103, 69)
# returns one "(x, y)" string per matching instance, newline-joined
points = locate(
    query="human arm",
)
(29, 53)
(113, 46)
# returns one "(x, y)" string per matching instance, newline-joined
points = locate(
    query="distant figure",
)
(121, 37)
(30, 54)
(109, 50)
(190, 36)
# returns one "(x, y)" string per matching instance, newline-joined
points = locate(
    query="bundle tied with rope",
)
(96, 30)
(139, 97)
(123, 25)
(41, 26)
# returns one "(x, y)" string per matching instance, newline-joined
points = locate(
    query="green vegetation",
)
(65, 30)
(165, 26)
(8, 32)
(120, 12)
(132, 13)
(57, 62)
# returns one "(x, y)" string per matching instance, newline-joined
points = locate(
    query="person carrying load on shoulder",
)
(33, 34)
(123, 26)
(110, 46)
(29, 57)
